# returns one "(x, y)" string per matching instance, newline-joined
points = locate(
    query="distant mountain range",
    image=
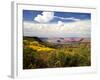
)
(59, 40)
(65, 40)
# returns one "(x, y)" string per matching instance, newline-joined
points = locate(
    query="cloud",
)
(72, 29)
(44, 17)
(48, 16)
(70, 18)
(60, 23)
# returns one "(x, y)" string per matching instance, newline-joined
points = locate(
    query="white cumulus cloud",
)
(72, 29)
(48, 16)
(60, 23)
(44, 17)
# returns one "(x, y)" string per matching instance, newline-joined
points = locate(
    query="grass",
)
(38, 54)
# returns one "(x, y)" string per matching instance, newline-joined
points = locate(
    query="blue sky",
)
(31, 15)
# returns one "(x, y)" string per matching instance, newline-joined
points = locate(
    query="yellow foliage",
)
(39, 48)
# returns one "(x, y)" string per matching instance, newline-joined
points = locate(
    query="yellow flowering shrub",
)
(39, 47)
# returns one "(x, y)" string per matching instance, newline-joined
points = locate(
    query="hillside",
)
(41, 54)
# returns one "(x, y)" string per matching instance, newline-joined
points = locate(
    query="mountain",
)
(65, 40)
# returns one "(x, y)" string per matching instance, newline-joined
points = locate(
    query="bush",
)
(29, 57)
(52, 59)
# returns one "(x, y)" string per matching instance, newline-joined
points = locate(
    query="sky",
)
(56, 24)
